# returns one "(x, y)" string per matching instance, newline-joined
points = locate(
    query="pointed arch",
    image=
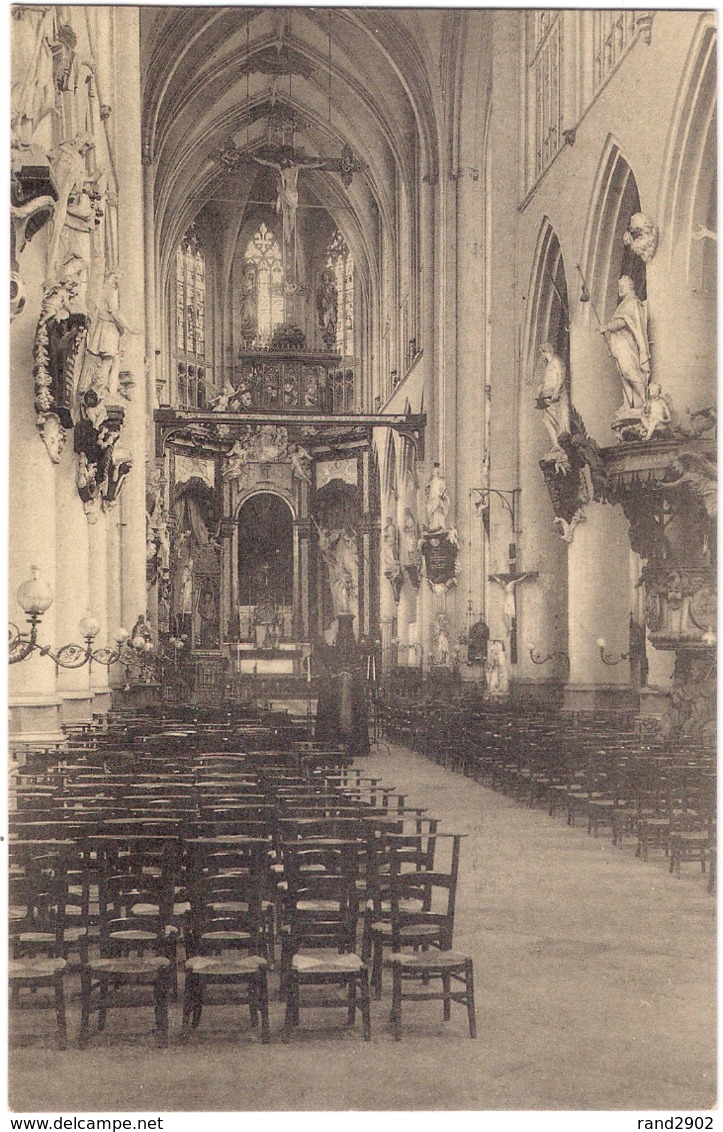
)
(549, 307)
(614, 200)
(689, 196)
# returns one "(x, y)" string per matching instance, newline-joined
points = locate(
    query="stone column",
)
(73, 597)
(32, 696)
(98, 591)
(131, 251)
(598, 592)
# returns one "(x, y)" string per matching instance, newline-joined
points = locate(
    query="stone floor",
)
(595, 989)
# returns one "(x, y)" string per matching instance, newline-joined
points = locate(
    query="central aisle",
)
(595, 989)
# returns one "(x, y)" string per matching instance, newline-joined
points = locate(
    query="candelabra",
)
(608, 657)
(34, 598)
(557, 654)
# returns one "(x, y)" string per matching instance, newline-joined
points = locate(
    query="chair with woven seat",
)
(413, 857)
(432, 956)
(319, 931)
(38, 943)
(226, 937)
(135, 949)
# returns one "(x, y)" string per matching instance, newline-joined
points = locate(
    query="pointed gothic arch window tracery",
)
(340, 260)
(263, 285)
(194, 374)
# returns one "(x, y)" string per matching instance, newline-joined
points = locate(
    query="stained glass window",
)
(194, 374)
(340, 260)
(263, 299)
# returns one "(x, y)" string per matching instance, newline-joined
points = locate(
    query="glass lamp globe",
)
(601, 642)
(138, 643)
(121, 635)
(89, 627)
(148, 646)
(34, 596)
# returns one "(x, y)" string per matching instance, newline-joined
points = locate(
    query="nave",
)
(595, 989)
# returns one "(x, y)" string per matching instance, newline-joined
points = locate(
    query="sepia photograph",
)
(362, 519)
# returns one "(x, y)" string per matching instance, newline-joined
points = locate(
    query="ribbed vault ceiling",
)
(208, 75)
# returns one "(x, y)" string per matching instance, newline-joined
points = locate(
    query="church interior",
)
(362, 558)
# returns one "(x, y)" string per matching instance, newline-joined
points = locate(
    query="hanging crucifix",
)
(288, 161)
(509, 583)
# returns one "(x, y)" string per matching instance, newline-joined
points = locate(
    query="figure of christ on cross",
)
(509, 583)
(289, 164)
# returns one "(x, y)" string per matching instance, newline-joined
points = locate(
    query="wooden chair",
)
(226, 929)
(426, 963)
(124, 930)
(319, 932)
(38, 925)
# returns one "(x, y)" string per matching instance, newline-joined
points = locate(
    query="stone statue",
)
(391, 566)
(656, 415)
(553, 397)
(223, 403)
(249, 315)
(627, 338)
(442, 653)
(327, 308)
(235, 465)
(498, 675)
(701, 475)
(103, 347)
(69, 169)
(33, 91)
(437, 500)
(339, 550)
(300, 462)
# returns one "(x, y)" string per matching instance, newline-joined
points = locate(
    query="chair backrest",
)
(322, 903)
(37, 900)
(135, 891)
(225, 883)
(424, 898)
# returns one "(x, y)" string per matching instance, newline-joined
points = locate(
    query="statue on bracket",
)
(627, 338)
(553, 398)
(95, 437)
(327, 303)
(574, 475)
(390, 557)
(437, 500)
(410, 554)
(62, 328)
(103, 348)
(301, 462)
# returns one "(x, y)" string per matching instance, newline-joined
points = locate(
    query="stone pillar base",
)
(76, 707)
(102, 701)
(35, 721)
(599, 697)
(546, 691)
(654, 702)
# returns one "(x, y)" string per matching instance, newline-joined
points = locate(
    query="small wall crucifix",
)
(509, 583)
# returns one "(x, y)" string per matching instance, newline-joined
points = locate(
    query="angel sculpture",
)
(300, 462)
(656, 412)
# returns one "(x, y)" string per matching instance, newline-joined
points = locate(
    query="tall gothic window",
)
(545, 64)
(192, 350)
(263, 287)
(613, 33)
(340, 260)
